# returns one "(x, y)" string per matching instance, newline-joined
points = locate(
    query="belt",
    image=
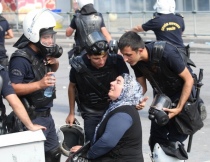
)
(45, 113)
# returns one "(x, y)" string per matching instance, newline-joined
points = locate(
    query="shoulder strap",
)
(80, 67)
(157, 51)
(23, 53)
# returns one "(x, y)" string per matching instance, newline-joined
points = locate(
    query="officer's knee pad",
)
(53, 155)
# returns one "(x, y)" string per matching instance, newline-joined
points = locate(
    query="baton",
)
(198, 87)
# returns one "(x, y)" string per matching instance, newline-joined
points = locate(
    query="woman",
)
(118, 137)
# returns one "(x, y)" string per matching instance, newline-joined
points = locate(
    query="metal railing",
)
(196, 23)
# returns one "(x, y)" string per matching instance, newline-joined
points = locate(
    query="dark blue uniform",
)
(7, 88)
(167, 27)
(21, 72)
(174, 61)
(4, 27)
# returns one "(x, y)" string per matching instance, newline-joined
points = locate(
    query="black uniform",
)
(91, 103)
(166, 76)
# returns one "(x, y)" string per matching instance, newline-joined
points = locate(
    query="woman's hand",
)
(142, 103)
(75, 148)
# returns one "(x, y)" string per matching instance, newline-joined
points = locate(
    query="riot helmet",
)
(96, 43)
(82, 3)
(69, 136)
(165, 6)
(38, 26)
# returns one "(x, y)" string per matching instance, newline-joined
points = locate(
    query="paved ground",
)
(200, 151)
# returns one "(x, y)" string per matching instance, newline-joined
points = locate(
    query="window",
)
(203, 5)
(188, 5)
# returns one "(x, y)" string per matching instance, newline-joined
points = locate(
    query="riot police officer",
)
(85, 21)
(90, 77)
(162, 65)
(31, 71)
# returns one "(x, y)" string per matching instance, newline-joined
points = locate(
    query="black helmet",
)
(96, 43)
(70, 136)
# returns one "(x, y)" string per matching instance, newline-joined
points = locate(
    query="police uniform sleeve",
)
(72, 74)
(152, 24)
(73, 23)
(20, 70)
(7, 88)
(173, 59)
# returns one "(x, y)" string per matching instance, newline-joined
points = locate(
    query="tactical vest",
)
(86, 24)
(130, 145)
(93, 86)
(159, 75)
(37, 98)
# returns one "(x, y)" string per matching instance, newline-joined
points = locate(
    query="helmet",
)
(82, 3)
(165, 6)
(1, 8)
(69, 136)
(38, 23)
(96, 43)
(35, 21)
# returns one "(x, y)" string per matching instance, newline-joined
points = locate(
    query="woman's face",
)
(116, 88)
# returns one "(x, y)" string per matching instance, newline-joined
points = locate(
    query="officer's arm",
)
(138, 28)
(142, 81)
(21, 113)
(9, 34)
(187, 88)
(71, 94)
(72, 88)
(106, 34)
(69, 31)
(27, 88)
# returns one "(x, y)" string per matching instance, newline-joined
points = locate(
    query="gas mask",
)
(47, 44)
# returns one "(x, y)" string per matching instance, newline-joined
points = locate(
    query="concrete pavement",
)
(200, 151)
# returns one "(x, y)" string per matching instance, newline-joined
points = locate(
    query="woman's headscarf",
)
(131, 95)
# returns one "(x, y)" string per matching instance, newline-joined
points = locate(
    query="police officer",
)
(164, 68)
(31, 71)
(85, 21)
(166, 25)
(5, 33)
(90, 78)
(169, 26)
(8, 93)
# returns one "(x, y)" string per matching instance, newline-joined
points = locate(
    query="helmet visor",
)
(48, 39)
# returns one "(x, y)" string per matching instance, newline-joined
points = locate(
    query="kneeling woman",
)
(118, 137)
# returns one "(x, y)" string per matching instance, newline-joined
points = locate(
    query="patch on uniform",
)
(16, 72)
